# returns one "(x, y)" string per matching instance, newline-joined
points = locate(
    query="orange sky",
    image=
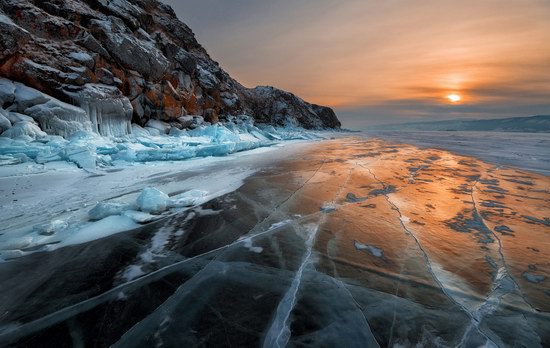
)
(394, 57)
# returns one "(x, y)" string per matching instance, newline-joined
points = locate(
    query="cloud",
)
(375, 54)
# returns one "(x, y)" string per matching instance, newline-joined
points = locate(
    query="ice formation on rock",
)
(103, 110)
(25, 129)
(108, 110)
(23, 140)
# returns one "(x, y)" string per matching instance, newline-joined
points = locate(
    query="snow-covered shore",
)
(56, 192)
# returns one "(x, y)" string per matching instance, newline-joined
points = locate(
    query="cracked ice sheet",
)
(209, 288)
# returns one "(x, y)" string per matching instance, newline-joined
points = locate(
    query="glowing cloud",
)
(402, 57)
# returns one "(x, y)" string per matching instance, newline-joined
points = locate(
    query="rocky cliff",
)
(106, 63)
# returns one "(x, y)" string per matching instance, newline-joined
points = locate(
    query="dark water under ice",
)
(352, 243)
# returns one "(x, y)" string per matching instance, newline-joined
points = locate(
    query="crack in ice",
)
(278, 334)
(498, 289)
(428, 261)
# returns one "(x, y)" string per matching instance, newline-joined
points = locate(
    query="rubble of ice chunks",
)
(39, 128)
(5, 123)
(104, 219)
(154, 201)
(187, 199)
(89, 150)
(149, 205)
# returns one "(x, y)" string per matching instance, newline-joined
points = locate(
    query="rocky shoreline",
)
(101, 66)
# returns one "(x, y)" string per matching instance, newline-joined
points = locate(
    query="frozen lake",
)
(338, 243)
(530, 151)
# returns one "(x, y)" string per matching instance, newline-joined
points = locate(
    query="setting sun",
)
(454, 98)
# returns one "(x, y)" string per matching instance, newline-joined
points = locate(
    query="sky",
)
(390, 61)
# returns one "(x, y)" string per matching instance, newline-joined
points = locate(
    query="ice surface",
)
(199, 275)
(51, 228)
(99, 229)
(152, 200)
(104, 209)
(57, 190)
(188, 198)
(522, 150)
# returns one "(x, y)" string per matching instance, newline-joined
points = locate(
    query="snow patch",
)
(371, 249)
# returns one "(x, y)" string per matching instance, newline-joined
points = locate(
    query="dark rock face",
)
(274, 106)
(137, 51)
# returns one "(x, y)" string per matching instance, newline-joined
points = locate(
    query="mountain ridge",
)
(536, 124)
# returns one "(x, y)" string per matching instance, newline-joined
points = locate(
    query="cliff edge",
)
(108, 63)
